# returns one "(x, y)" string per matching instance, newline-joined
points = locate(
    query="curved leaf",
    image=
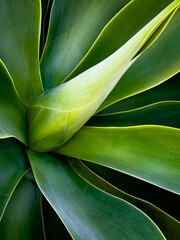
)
(151, 153)
(57, 115)
(119, 30)
(140, 189)
(82, 206)
(13, 165)
(22, 219)
(162, 113)
(12, 111)
(169, 226)
(166, 91)
(74, 26)
(157, 64)
(19, 45)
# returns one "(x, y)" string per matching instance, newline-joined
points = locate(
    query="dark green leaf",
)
(22, 219)
(169, 226)
(162, 113)
(13, 165)
(12, 117)
(19, 45)
(82, 206)
(46, 7)
(168, 90)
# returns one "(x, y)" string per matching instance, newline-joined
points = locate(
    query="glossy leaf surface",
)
(151, 153)
(55, 116)
(162, 113)
(22, 219)
(74, 27)
(169, 226)
(12, 117)
(19, 45)
(13, 165)
(81, 206)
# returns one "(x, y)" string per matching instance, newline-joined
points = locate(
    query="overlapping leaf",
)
(87, 212)
(55, 116)
(74, 27)
(169, 226)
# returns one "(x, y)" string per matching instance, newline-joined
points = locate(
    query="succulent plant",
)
(89, 119)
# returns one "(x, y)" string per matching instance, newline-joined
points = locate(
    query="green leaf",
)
(13, 165)
(19, 45)
(157, 64)
(74, 26)
(57, 115)
(81, 206)
(151, 153)
(12, 117)
(169, 226)
(22, 219)
(162, 113)
(168, 90)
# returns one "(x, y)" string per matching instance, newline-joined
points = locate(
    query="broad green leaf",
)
(169, 226)
(157, 64)
(55, 116)
(19, 45)
(22, 219)
(151, 153)
(166, 91)
(81, 206)
(163, 113)
(13, 165)
(12, 111)
(74, 26)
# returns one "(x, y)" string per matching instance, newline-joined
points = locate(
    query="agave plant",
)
(89, 123)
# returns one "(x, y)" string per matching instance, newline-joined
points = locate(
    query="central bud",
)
(59, 113)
